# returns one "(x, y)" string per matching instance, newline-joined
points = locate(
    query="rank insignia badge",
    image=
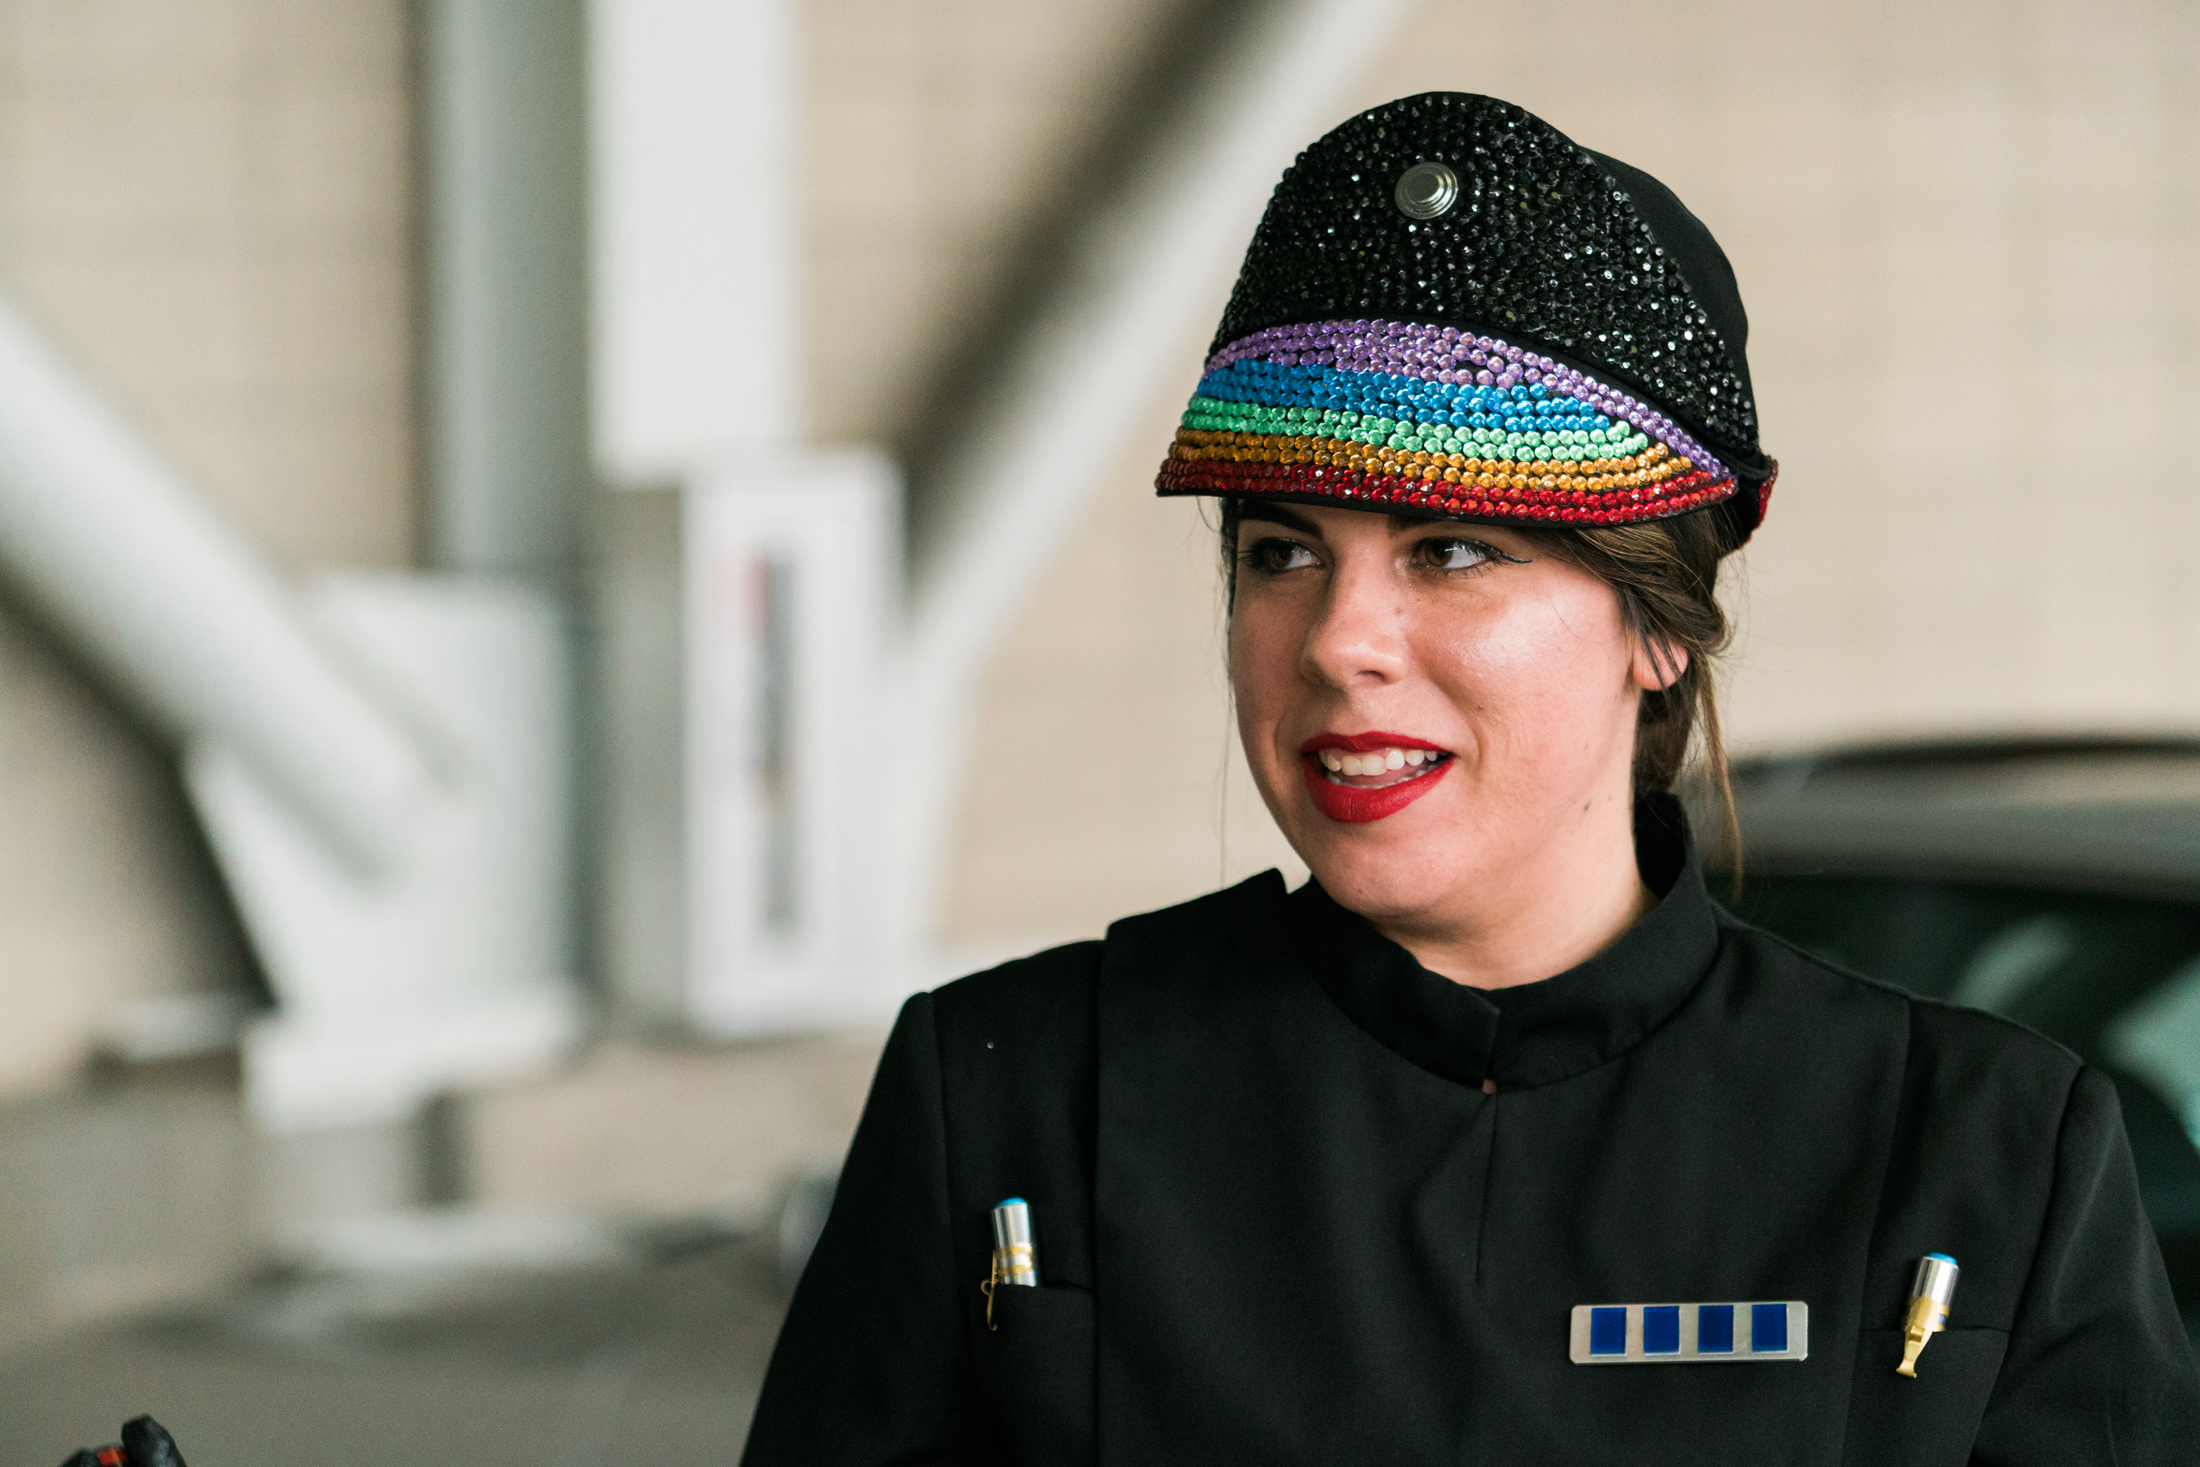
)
(1685, 1334)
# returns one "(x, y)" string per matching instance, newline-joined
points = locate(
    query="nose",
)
(1358, 640)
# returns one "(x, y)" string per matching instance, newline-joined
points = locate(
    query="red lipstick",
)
(1352, 804)
(1367, 743)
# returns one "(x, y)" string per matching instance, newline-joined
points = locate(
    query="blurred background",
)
(557, 559)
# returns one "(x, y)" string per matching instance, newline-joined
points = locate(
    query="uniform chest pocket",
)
(1037, 1365)
(1930, 1421)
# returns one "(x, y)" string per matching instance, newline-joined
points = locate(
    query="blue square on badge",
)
(1714, 1329)
(1608, 1331)
(1768, 1327)
(1661, 1329)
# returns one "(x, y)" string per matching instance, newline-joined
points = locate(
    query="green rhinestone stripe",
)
(1214, 415)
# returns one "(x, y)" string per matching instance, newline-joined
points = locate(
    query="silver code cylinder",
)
(1936, 1279)
(1015, 1255)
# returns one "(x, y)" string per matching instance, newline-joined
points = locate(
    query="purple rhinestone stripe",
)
(1447, 354)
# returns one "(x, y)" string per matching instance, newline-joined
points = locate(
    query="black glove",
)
(145, 1443)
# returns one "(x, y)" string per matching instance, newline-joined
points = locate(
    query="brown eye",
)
(1274, 556)
(1455, 554)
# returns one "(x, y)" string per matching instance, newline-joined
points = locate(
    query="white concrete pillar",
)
(694, 232)
(503, 152)
(696, 375)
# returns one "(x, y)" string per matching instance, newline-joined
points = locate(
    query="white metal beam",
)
(380, 766)
(184, 616)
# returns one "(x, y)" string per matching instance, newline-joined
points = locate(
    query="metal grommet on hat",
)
(1452, 308)
(1426, 190)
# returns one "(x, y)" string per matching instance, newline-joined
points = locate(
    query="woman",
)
(1385, 1169)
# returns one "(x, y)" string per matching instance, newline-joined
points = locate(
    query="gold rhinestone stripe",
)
(1655, 465)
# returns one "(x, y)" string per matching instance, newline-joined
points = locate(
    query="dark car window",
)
(2117, 979)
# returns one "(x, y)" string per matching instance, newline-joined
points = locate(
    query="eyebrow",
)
(1277, 514)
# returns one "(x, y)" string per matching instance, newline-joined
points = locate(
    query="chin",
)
(1388, 869)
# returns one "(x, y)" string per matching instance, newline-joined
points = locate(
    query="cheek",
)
(1263, 664)
(1553, 668)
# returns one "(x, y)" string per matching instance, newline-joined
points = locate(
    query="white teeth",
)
(1381, 761)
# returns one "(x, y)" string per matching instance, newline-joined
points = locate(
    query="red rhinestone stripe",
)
(1532, 506)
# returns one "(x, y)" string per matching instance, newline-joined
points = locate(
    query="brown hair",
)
(1666, 574)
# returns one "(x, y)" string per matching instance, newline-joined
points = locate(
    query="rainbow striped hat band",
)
(1359, 362)
(1385, 413)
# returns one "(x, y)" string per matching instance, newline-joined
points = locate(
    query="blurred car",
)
(2056, 882)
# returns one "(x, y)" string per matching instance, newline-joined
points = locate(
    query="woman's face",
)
(1432, 710)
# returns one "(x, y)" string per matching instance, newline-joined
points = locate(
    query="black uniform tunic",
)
(1298, 1200)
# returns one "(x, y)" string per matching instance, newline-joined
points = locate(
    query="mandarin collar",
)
(1534, 1033)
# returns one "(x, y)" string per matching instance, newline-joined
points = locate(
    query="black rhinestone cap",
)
(1548, 245)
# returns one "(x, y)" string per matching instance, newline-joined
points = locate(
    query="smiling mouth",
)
(1360, 778)
(1378, 768)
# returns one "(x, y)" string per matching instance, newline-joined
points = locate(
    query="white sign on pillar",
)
(792, 589)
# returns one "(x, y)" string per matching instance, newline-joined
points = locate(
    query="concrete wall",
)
(205, 203)
(1967, 234)
(118, 1199)
(940, 137)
